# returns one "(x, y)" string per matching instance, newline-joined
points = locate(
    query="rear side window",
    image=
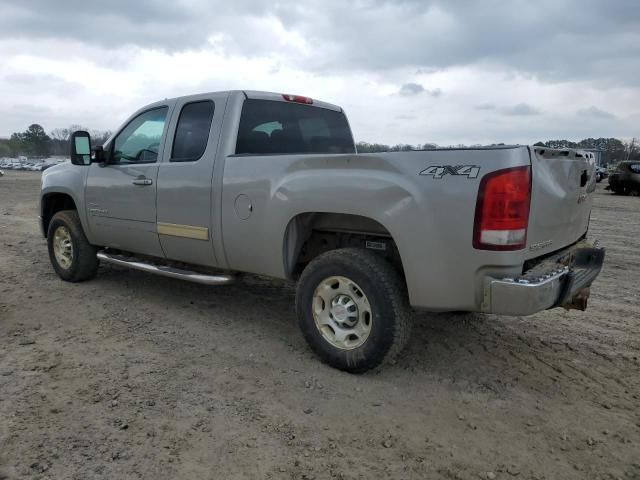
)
(635, 167)
(192, 132)
(271, 128)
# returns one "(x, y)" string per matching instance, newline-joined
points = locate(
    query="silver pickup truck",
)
(206, 186)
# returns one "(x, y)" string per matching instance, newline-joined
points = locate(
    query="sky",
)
(405, 71)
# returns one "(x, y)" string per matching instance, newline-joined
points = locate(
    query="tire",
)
(75, 260)
(336, 282)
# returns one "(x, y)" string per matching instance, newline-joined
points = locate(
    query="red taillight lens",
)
(502, 210)
(297, 99)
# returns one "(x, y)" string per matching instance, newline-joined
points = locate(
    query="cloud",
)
(595, 112)
(521, 109)
(411, 89)
(120, 22)
(95, 63)
(425, 35)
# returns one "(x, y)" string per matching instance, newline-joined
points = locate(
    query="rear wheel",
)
(72, 256)
(353, 309)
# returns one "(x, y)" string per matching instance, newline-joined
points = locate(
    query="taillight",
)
(502, 210)
(297, 99)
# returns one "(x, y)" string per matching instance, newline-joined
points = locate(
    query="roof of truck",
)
(260, 95)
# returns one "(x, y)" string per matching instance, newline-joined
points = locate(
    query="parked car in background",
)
(626, 179)
(601, 174)
(48, 165)
(32, 165)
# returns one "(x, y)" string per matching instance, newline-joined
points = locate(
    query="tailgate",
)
(563, 184)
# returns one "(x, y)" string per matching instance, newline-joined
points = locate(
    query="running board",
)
(165, 270)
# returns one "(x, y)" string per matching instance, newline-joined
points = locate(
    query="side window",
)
(192, 131)
(140, 140)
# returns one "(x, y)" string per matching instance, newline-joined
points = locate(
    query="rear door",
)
(121, 195)
(186, 197)
(562, 191)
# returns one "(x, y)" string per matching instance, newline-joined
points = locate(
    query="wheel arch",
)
(52, 203)
(309, 234)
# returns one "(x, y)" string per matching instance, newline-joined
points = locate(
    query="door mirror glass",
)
(80, 148)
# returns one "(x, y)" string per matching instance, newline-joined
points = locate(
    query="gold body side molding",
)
(186, 231)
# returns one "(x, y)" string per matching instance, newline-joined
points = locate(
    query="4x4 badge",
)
(437, 171)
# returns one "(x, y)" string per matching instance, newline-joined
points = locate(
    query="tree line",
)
(613, 149)
(35, 142)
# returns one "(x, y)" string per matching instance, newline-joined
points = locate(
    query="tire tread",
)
(386, 276)
(86, 262)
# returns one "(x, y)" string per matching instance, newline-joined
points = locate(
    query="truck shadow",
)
(470, 351)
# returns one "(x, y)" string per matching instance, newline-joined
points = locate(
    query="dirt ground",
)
(136, 376)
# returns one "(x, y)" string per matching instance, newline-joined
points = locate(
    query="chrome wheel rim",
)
(63, 247)
(342, 313)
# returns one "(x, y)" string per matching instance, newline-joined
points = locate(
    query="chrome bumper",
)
(550, 284)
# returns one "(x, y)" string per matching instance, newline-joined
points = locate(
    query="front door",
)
(121, 195)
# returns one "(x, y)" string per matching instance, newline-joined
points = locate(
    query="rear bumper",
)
(561, 282)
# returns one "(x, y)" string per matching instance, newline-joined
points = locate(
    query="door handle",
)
(142, 181)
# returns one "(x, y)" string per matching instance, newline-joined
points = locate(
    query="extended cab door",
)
(121, 194)
(187, 199)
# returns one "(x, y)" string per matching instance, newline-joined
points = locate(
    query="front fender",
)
(67, 179)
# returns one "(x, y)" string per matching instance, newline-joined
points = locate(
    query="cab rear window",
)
(271, 128)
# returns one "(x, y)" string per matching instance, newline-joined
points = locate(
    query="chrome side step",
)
(165, 270)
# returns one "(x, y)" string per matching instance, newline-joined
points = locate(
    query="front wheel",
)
(353, 310)
(72, 256)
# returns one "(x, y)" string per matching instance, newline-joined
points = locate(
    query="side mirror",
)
(80, 148)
